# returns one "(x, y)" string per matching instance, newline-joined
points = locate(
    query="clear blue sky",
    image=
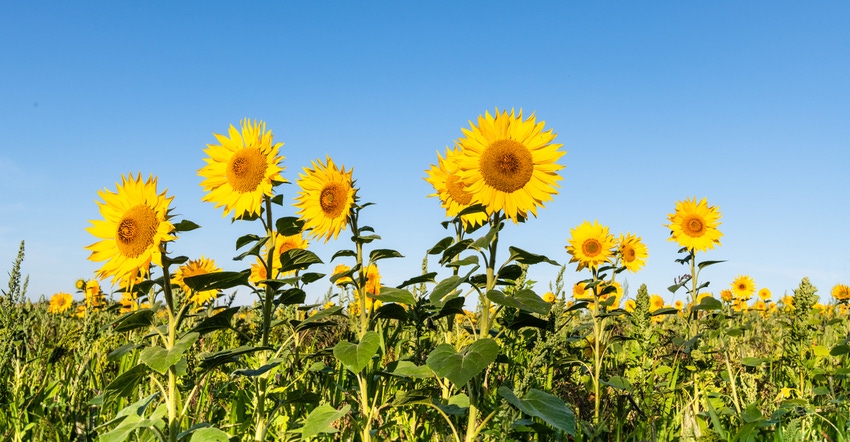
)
(745, 103)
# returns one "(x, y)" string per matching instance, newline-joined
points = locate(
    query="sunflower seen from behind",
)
(509, 164)
(326, 198)
(451, 190)
(694, 225)
(242, 169)
(135, 225)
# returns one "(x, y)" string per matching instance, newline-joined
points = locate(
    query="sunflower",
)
(726, 295)
(630, 305)
(581, 292)
(94, 296)
(196, 267)
(841, 292)
(679, 305)
(617, 293)
(451, 190)
(60, 302)
(549, 297)
(694, 225)
(282, 244)
(340, 269)
(242, 169)
(325, 200)
(129, 303)
(509, 164)
(743, 287)
(590, 245)
(655, 302)
(136, 223)
(373, 280)
(632, 252)
(764, 294)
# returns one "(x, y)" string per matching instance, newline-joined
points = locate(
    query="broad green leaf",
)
(619, 383)
(160, 359)
(839, 350)
(442, 245)
(289, 225)
(320, 419)
(523, 257)
(256, 372)
(444, 288)
(427, 277)
(133, 320)
(217, 280)
(454, 249)
(753, 362)
(377, 254)
(708, 303)
(212, 360)
(510, 272)
(536, 403)
(708, 263)
(220, 320)
(460, 367)
(391, 311)
(524, 300)
(297, 259)
(391, 294)
(342, 253)
(408, 369)
(485, 240)
(123, 385)
(321, 314)
(185, 226)
(820, 350)
(291, 296)
(246, 239)
(119, 352)
(209, 434)
(469, 260)
(355, 356)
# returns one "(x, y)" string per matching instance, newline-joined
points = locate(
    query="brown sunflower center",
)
(693, 226)
(332, 199)
(136, 230)
(591, 247)
(742, 287)
(629, 253)
(246, 170)
(457, 191)
(506, 165)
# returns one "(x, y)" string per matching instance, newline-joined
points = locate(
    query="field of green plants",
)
(166, 355)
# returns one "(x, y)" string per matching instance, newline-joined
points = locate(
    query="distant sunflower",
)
(282, 244)
(590, 245)
(94, 296)
(764, 294)
(196, 267)
(242, 169)
(694, 225)
(726, 295)
(509, 164)
(841, 292)
(630, 305)
(60, 302)
(373, 280)
(549, 297)
(743, 287)
(339, 270)
(451, 190)
(655, 302)
(632, 252)
(136, 223)
(325, 199)
(581, 292)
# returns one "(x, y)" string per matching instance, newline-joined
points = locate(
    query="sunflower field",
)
(169, 356)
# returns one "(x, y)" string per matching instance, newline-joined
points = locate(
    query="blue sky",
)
(744, 103)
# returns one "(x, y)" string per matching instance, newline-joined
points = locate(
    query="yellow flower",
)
(630, 305)
(743, 287)
(764, 294)
(590, 245)
(617, 294)
(841, 292)
(694, 225)
(81, 311)
(60, 302)
(726, 295)
(373, 280)
(632, 252)
(325, 199)
(94, 297)
(655, 302)
(196, 267)
(580, 292)
(282, 244)
(678, 305)
(759, 305)
(129, 303)
(739, 305)
(509, 164)
(242, 169)
(135, 224)
(80, 284)
(340, 269)
(451, 191)
(328, 305)
(787, 302)
(549, 297)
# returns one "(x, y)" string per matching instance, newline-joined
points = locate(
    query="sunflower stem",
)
(268, 307)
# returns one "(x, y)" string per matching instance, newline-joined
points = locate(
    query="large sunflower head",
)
(590, 245)
(743, 287)
(694, 225)
(325, 200)
(632, 252)
(451, 190)
(135, 224)
(60, 302)
(242, 169)
(196, 267)
(509, 164)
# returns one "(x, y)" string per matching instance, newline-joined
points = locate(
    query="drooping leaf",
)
(123, 385)
(427, 277)
(297, 259)
(185, 226)
(378, 254)
(460, 367)
(133, 320)
(216, 280)
(551, 409)
(219, 321)
(410, 370)
(441, 246)
(289, 225)
(524, 299)
(354, 357)
(391, 311)
(212, 360)
(523, 257)
(391, 294)
(209, 434)
(343, 253)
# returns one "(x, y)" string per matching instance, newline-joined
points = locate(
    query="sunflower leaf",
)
(427, 277)
(289, 226)
(383, 253)
(441, 245)
(185, 226)
(216, 280)
(297, 259)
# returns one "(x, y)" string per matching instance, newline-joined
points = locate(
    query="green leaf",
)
(485, 240)
(209, 434)
(550, 409)
(839, 350)
(378, 254)
(445, 287)
(219, 321)
(321, 314)
(708, 303)
(619, 383)
(391, 311)
(291, 296)
(408, 369)
(185, 226)
(460, 367)
(118, 353)
(820, 350)
(217, 280)
(453, 306)
(390, 294)
(211, 360)
(708, 263)
(256, 372)
(253, 251)
(320, 419)
(753, 362)
(469, 260)
(510, 272)
(523, 257)
(246, 239)
(289, 225)
(355, 356)
(524, 299)
(124, 384)
(297, 259)
(343, 253)
(133, 320)
(160, 359)
(442, 245)
(454, 249)
(427, 277)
